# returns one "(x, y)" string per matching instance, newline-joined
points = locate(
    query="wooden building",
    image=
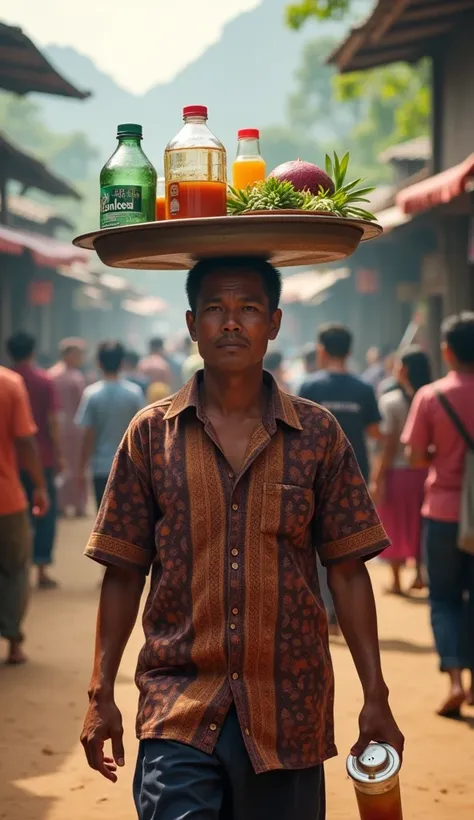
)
(438, 209)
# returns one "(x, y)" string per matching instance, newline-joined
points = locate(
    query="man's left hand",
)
(376, 723)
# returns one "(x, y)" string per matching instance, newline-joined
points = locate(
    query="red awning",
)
(46, 252)
(436, 190)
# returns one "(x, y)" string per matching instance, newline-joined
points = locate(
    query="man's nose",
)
(231, 323)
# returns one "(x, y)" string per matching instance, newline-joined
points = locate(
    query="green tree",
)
(298, 13)
(282, 144)
(380, 107)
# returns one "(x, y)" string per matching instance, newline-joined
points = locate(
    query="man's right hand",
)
(103, 722)
(41, 504)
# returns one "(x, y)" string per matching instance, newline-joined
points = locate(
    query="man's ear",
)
(275, 324)
(191, 323)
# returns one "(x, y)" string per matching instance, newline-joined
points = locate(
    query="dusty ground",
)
(43, 774)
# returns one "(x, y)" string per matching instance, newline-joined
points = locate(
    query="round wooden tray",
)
(296, 238)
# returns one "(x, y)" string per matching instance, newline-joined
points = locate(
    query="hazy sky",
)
(138, 42)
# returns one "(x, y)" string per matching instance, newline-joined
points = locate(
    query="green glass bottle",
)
(127, 182)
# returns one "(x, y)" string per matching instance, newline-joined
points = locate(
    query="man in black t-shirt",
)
(349, 399)
(354, 405)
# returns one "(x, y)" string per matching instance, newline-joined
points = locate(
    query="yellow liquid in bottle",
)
(247, 171)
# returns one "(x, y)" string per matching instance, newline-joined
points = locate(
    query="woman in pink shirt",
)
(434, 441)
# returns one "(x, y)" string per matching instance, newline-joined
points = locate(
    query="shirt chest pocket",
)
(287, 510)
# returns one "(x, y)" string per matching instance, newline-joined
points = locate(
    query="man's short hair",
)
(336, 340)
(131, 358)
(156, 344)
(458, 333)
(21, 346)
(72, 344)
(270, 276)
(273, 360)
(110, 356)
(308, 353)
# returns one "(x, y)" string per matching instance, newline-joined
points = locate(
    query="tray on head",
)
(296, 238)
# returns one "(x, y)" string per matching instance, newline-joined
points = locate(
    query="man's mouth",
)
(232, 343)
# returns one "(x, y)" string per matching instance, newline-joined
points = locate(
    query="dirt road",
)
(44, 776)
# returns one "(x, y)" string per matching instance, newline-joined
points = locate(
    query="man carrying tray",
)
(226, 491)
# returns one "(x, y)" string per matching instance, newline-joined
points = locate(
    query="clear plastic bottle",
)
(249, 165)
(195, 169)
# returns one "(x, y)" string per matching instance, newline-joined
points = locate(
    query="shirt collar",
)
(280, 406)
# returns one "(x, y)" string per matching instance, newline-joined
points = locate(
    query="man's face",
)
(233, 323)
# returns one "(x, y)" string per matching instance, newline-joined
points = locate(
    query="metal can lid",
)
(377, 763)
(129, 129)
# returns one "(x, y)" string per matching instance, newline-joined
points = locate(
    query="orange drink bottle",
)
(160, 199)
(376, 783)
(249, 165)
(195, 169)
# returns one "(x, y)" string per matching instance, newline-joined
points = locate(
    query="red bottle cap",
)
(195, 111)
(248, 134)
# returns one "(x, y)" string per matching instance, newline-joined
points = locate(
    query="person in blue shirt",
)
(131, 372)
(106, 409)
(351, 400)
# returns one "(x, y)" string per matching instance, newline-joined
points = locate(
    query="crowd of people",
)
(412, 436)
(60, 430)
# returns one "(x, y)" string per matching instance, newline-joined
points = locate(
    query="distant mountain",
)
(244, 78)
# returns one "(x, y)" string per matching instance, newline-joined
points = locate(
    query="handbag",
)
(466, 518)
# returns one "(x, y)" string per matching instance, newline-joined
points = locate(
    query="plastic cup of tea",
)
(376, 782)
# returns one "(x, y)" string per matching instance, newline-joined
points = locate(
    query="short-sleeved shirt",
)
(234, 612)
(351, 401)
(16, 421)
(394, 407)
(44, 400)
(108, 408)
(429, 425)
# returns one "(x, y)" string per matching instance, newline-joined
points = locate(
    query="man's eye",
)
(249, 308)
(212, 307)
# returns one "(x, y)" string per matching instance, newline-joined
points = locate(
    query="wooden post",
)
(4, 202)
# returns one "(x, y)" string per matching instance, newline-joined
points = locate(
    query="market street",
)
(44, 776)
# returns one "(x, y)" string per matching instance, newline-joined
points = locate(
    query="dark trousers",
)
(44, 528)
(176, 782)
(15, 549)
(451, 585)
(100, 483)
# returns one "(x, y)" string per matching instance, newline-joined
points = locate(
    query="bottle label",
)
(122, 205)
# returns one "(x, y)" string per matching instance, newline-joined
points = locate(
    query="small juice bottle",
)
(160, 199)
(249, 165)
(195, 169)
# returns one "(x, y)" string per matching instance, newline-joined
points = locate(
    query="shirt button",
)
(247, 732)
(235, 675)
(213, 727)
(235, 611)
(231, 475)
(235, 507)
(233, 626)
(235, 566)
(234, 552)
